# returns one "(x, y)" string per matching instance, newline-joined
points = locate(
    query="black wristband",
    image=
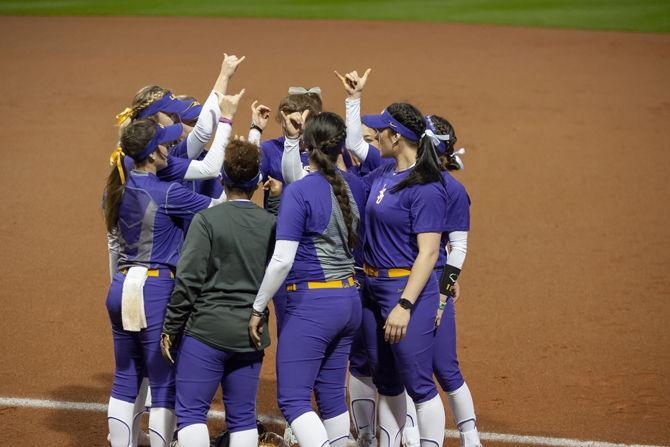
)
(405, 303)
(256, 313)
(448, 279)
(254, 126)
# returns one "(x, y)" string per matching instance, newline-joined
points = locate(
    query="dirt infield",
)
(563, 325)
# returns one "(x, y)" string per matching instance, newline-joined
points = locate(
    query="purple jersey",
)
(392, 220)
(309, 214)
(151, 216)
(458, 212)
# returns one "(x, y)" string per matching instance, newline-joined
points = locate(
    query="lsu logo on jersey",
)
(380, 196)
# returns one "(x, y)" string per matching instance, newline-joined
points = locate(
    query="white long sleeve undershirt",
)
(276, 272)
(210, 166)
(457, 248)
(291, 164)
(355, 142)
(204, 127)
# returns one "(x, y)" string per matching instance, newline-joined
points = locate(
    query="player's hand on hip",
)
(230, 64)
(396, 324)
(260, 115)
(256, 327)
(353, 83)
(166, 345)
(228, 104)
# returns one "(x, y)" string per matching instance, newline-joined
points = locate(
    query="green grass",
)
(628, 15)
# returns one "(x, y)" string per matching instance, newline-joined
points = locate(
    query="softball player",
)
(145, 213)
(219, 273)
(405, 215)
(316, 232)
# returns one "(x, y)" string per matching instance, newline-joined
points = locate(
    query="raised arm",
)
(291, 164)
(210, 166)
(354, 84)
(210, 113)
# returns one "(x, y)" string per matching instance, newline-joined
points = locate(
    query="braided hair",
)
(427, 167)
(324, 139)
(443, 127)
(134, 139)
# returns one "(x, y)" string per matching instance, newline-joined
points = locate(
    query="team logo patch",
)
(380, 196)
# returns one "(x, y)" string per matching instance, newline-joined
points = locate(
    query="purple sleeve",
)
(175, 171)
(373, 160)
(292, 217)
(458, 214)
(180, 149)
(183, 203)
(427, 208)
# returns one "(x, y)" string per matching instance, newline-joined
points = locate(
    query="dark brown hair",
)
(241, 163)
(427, 167)
(444, 127)
(134, 139)
(324, 139)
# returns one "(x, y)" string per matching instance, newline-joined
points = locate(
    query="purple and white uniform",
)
(323, 310)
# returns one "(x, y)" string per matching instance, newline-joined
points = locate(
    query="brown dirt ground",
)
(563, 326)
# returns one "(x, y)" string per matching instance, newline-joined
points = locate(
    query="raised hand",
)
(230, 64)
(260, 115)
(228, 104)
(293, 123)
(353, 83)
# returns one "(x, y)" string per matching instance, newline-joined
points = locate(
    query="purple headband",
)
(246, 185)
(164, 134)
(386, 120)
(167, 104)
(192, 113)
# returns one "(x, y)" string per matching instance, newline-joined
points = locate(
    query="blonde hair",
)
(146, 96)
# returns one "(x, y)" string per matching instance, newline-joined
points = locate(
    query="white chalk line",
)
(214, 414)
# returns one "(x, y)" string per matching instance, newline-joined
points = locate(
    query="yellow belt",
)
(336, 284)
(150, 272)
(386, 273)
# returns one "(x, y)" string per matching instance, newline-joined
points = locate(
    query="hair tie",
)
(456, 157)
(116, 159)
(435, 139)
(124, 115)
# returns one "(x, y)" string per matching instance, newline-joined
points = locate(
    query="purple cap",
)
(167, 104)
(386, 121)
(164, 134)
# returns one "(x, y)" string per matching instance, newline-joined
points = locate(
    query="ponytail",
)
(114, 189)
(324, 137)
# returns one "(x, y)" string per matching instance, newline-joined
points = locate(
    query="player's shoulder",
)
(272, 145)
(454, 187)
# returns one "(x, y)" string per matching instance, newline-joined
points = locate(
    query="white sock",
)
(120, 419)
(470, 439)
(462, 408)
(338, 429)
(161, 426)
(363, 402)
(244, 438)
(392, 415)
(430, 415)
(140, 406)
(309, 430)
(410, 434)
(195, 435)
